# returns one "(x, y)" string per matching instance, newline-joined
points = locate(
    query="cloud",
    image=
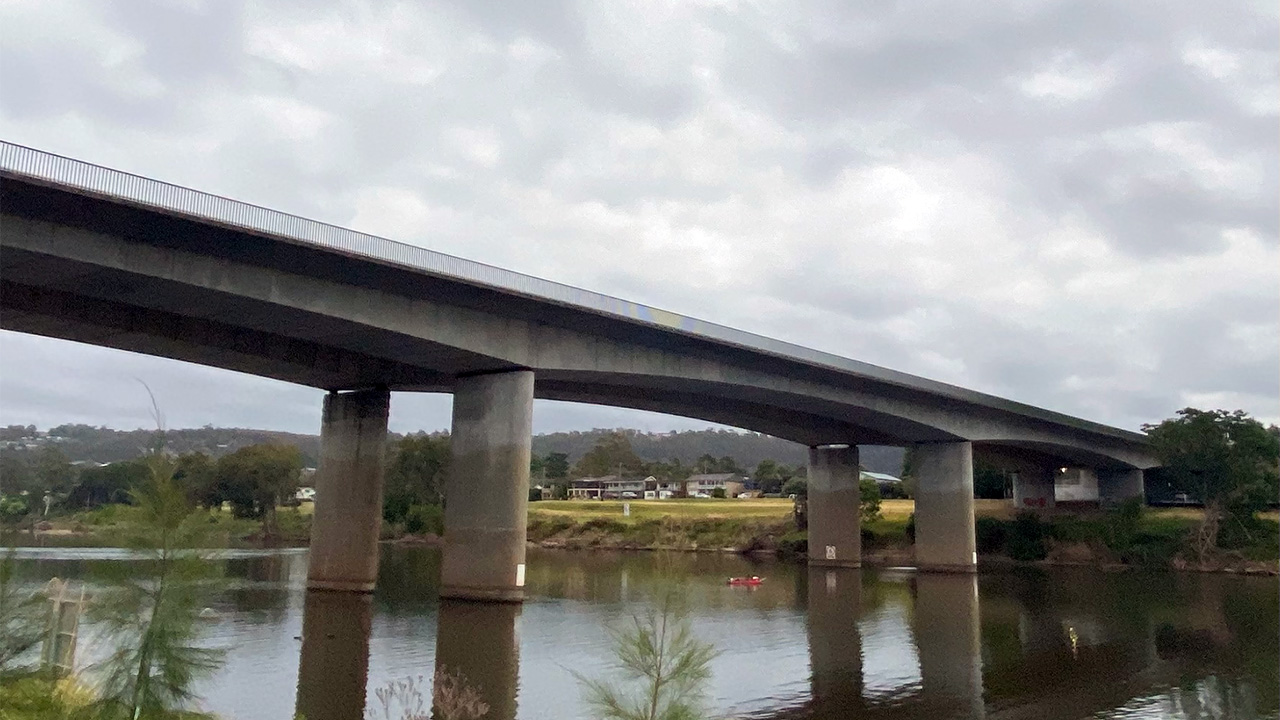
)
(1071, 204)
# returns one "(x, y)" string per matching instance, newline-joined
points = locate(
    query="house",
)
(614, 487)
(585, 488)
(706, 484)
(667, 489)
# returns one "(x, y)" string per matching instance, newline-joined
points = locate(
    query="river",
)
(876, 643)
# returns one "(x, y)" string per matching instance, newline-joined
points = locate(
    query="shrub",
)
(424, 519)
(991, 535)
(894, 491)
(796, 486)
(793, 545)
(868, 499)
(910, 530)
(718, 493)
(868, 537)
(1121, 525)
(1026, 538)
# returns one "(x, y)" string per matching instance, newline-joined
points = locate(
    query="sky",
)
(1069, 204)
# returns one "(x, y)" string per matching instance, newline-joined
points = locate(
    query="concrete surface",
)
(348, 504)
(944, 507)
(487, 490)
(835, 529)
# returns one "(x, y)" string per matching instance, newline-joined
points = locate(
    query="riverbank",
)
(1155, 538)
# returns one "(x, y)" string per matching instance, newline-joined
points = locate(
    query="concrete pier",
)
(1033, 489)
(487, 491)
(334, 666)
(348, 512)
(944, 507)
(1116, 486)
(835, 529)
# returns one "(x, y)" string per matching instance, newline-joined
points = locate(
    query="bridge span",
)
(100, 256)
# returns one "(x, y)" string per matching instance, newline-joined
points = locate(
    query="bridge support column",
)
(835, 532)
(1033, 489)
(348, 512)
(478, 645)
(944, 507)
(487, 491)
(835, 644)
(1119, 485)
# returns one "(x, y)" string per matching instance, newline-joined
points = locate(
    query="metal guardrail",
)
(60, 170)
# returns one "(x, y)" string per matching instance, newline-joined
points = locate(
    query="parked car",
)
(628, 495)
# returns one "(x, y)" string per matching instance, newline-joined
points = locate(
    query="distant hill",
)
(84, 443)
(746, 448)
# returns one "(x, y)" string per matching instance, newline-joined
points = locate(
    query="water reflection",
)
(480, 643)
(949, 644)
(835, 644)
(1048, 645)
(334, 663)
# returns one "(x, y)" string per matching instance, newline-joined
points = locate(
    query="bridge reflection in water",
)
(1026, 646)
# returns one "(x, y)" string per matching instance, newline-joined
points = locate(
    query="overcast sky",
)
(1071, 204)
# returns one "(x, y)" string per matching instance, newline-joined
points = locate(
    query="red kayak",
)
(753, 580)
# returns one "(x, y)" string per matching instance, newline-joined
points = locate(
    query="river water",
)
(876, 643)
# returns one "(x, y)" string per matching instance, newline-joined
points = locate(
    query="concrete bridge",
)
(104, 257)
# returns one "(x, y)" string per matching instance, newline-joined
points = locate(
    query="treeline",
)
(85, 443)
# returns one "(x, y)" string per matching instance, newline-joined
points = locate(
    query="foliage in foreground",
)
(151, 618)
(664, 668)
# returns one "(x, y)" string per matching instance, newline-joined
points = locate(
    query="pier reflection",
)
(835, 645)
(334, 666)
(948, 636)
(480, 643)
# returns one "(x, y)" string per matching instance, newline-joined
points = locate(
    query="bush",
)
(1026, 538)
(535, 494)
(13, 508)
(894, 491)
(796, 486)
(910, 530)
(868, 500)
(718, 493)
(1122, 525)
(868, 537)
(424, 519)
(991, 535)
(793, 545)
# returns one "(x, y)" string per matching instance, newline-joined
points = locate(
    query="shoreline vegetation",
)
(1147, 538)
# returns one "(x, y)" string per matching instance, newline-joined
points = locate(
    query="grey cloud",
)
(857, 86)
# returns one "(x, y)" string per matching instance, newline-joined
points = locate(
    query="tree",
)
(195, 474)
(256, 478)
(54, 471)
(612, 454)
(149, 613)
(768, 476)
(1228, 459)
(868, 499)
(415, 475)
(16, 475)
(797, 486)
(107, 484)
(556, 465)
(668, 666)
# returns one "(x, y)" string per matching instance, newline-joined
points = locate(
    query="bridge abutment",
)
(835, 530)
(487, 490)
(1033, 489)
(348, 507)
(944, 507)
(1120, 485)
